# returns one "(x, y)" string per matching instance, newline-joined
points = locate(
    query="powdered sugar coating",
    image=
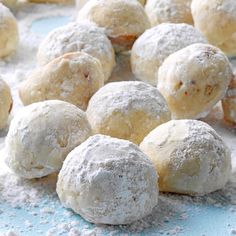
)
(83, 37)
(190, 157)
(41, 135)
(5, 103)
(123, 20)
(156, 44)
(81, 3)
(73, 77)
(174, 11)
(8, 32)
(194, 79)
(220, 17)
(115, 183)
(128, 110)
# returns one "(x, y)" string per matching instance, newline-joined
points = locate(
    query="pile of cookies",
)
(117, 144)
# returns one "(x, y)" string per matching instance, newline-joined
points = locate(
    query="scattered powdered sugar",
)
(162, 40)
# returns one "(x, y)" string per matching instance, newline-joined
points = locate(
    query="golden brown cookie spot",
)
(208, 90)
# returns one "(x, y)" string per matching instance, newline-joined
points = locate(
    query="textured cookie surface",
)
(108, 180)
(220, 16)
(127, 110)
(190, 157)
(73, 77)
(173, 11)
(82, 37)
(156, 44)
(123, 20)
(5, 103)
(194, 79)
(41, 135)
(8, 32)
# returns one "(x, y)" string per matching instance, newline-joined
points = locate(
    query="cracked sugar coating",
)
(5, 103)
(83, 37)
(189, 156)
(41, 135)
(109, 181)
(156, 44)
(193, 80)
(173, 11)
(73, 77)
(8, 32)
(123, 20)
(221, 22)
(127, 110)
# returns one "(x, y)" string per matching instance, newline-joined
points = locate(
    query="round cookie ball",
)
(123, 20)
(156, 44)
(5, 103)
(173, 11)
(220, 17)
(189, 156)
(229, 103)
(127, 110)
(8, 32)
(115, 183)
(78, 37)
(193, 80)
(73, 77)
(41, 135)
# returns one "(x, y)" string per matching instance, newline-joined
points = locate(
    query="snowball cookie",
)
(109, 181)
(156, 44)
(8, 32)
(229, 103)
(189, 156)
(5, 103)
(123, 20)
(220, 16)
(174, 11)
(73, 77)
(193, 80)
(83, 37)
(127, 110)
(41, 135)
(81, 3)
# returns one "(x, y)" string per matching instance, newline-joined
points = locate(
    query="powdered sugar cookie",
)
(173, 11)
(189, 156)
(5, 103)
(8, 32)
(194, 79)
(156, 44)
(115, 183)
(123, 20)
(73, 77)
(78, 37)
(127, 110)
(229, 103)
(41, 135)
(221, 20)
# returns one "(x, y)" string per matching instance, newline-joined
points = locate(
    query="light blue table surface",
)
(202, 217)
